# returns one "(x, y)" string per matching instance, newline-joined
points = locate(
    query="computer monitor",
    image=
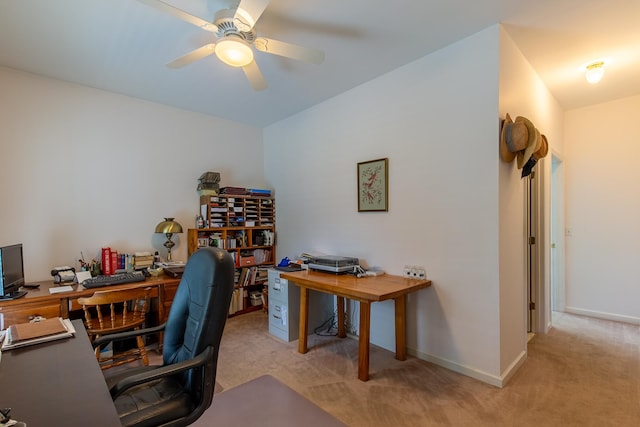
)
(11, 272)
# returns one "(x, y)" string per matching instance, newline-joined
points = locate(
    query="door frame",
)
(557, 247)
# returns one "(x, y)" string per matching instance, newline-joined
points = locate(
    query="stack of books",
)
(142, 260)
(240, 191)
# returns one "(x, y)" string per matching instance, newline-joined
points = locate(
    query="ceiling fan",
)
(235, 32)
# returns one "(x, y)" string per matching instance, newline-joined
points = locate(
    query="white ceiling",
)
(123, 45)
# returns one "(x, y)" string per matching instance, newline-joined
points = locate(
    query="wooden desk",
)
(58, 383)
(364, 290)
(39, 302)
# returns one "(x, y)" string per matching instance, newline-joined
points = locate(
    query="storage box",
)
(247, 260)
(255, 298)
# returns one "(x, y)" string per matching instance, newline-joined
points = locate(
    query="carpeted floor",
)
(585, 372)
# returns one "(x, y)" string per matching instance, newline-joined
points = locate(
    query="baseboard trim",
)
(603, 315)
(513, 368)
(472, 372)
(485, 377)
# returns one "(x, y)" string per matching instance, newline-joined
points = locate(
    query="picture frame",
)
(373, 185)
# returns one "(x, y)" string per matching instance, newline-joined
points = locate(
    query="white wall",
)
(522, 93)
(82, 168)
(436, 121)
(602, 210)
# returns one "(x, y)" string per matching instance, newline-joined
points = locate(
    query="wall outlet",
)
(414, 272)
(407, 271)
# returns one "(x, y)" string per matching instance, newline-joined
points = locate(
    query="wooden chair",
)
(108, 312)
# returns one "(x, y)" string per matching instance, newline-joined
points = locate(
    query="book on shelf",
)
(261, 256)
(242, 279)
(114, 261)
(106, 261)
(253, 275)
(237, 301)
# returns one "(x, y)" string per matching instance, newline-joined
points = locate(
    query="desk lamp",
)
(168, 227)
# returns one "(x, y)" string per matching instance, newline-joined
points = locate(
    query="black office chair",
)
(181, 389)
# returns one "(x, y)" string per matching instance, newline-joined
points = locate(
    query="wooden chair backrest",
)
(114, 311)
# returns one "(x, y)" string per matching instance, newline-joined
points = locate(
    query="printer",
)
(334, 264)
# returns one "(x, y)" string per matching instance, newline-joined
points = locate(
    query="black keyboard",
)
(114, 279)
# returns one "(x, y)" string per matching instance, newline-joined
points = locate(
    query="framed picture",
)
(373, 186)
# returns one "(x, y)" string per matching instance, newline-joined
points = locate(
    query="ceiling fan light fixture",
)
(234, 51)
(594, 72)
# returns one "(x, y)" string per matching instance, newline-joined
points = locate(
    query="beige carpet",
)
(585, 372)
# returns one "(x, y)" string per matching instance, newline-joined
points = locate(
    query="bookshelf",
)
(245, 227)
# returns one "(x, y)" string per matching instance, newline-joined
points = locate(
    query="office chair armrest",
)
(127, 334)
(161, 372)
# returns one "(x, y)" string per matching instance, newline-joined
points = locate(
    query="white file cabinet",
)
(284, 308)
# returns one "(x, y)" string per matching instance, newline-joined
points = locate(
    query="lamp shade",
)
(234, 51)
(168, 226)
(594, 72)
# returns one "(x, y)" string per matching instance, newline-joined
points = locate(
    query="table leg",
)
(401, 327)
(363, 341)
(304, 320)
(342, 332)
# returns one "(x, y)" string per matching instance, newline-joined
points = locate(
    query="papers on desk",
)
(58, 289)
(170, 264)
(25, 334)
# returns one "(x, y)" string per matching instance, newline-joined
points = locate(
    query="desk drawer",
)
(170, 292)
(278, 288)
(279, 315)
(22, 313)
(283, 320)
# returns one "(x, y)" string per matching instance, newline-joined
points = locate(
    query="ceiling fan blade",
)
(193, 56)
(181, 14)
(248, 13)
(289, 50)
(254, 75)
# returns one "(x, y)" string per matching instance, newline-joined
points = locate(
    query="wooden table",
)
(58, 383)
(364, 290)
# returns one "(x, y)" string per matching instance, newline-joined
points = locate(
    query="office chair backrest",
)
(200, 308)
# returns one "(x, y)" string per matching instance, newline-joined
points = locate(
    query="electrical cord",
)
(331, 327)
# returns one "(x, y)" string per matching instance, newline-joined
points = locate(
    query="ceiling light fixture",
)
(595, 71)
(234, 51)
